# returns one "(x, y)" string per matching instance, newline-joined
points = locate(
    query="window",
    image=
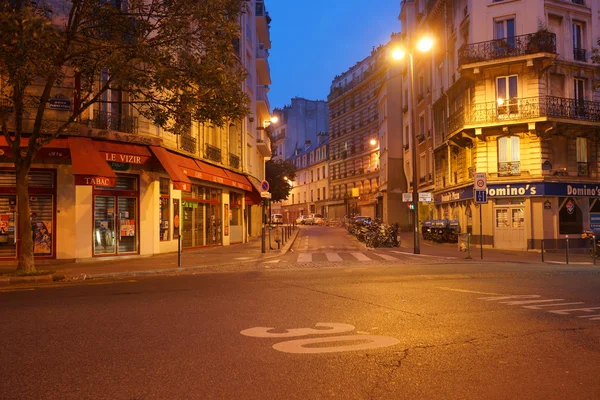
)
(570, 218)
(324, 193)
(579, 53)
(422, 128)
(164, 209)
(422, 167)
(505, 29)
(507, 95)
(579, 94)
(509, 156)
(582, 156)
(324, 172)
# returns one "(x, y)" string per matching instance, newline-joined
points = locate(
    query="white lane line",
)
(333, 257)
(386, 257)
(361, 257)
(423, 255)
(305, 257)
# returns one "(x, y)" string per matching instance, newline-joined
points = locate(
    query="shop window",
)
(570, 218)
(235, 211)
(165, 209)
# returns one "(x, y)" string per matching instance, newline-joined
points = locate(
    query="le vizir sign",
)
(125, 158)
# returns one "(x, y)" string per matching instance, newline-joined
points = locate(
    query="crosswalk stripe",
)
(386, 257)
(333, 257)
(305, 257)
(361, 257)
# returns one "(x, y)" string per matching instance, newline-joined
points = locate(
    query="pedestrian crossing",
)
(305, 257)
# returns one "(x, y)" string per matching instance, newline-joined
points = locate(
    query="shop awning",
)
(240, 179)
(170, 163)
(123, 152)
(58, 148)
(89, 167)
(253, 197)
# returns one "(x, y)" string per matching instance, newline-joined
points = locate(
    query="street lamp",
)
(423, 45)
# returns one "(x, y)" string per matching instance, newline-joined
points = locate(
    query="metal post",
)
(567, 249)
(543, 249)
(415, 176)
(262, 236)
(179, 250)
(481, 230)
(595, 253)
(468, 246)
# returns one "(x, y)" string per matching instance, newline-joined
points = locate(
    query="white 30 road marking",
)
(263, 332)
(300, 346)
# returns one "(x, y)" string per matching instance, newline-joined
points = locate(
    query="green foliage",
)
(277, 173)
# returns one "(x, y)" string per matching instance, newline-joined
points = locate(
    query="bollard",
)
(542, 250)
(179, 250)
(567, 249)
(468, 246)
(594, 246)
(283, 238)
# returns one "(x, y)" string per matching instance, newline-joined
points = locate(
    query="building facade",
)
(513, 94)
(309, 191)
(116, 185)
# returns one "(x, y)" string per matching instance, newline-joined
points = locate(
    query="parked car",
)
(300, 220)
(362, 220)
(314, 219)
(277, 219)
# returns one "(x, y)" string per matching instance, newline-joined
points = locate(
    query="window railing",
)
(509, 168)
(583, 169)
(580, 2)
(114, 122)
(579, 54)
(234, 161)
(187, 143)
(213, 153)
(538, 42)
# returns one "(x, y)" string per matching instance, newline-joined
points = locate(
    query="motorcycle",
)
(594, 250)
(426, 229)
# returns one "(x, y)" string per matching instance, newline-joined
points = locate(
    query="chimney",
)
(307, 144)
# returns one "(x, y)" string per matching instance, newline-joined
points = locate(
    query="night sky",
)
(315, 40)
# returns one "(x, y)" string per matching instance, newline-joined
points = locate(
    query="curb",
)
(13, 280)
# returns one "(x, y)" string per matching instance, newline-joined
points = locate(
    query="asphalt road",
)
(446, 331)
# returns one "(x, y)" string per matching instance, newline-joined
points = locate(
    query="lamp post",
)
(423, 45)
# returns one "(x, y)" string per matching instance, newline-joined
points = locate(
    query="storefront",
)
(202, 217)
(520, 215)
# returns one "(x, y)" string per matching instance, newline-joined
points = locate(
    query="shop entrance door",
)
(509, 228)
(115, 227)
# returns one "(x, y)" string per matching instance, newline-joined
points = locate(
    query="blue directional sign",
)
(480, 196)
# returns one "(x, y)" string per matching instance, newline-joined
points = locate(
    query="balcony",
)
(263, 20)
(263, 143)
(509, 168)
(583, 169)
(114, 122)
(262, 101)
(187, 143)
(538, 42)
(213, 153)
(234, 161)
(262, 65)
(523, 109)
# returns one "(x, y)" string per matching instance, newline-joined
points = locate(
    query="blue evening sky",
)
(315, 40)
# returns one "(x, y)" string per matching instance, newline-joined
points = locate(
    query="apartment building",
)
(512, 93)
(354, 146)
(310, 188)
(116, 185)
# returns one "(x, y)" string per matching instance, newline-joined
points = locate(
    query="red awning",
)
(123, 152)
(241, 179)
(58, 148)
(89, 167)
(169, 161)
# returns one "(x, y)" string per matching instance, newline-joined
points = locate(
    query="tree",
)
(172, 61)
(278, 172)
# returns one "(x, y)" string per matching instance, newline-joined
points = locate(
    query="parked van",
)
(277, 219)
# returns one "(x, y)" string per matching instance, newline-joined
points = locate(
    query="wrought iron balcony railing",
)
(213, 153)
(114, 122)
(234, 161)
(517, 109)
(579, 54)
(583, 169)
(509, 168)
(538, 42)
(187, 143)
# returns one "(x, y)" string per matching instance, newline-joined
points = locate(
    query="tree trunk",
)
(24, 233)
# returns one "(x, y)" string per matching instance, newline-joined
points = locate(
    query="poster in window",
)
(226, 233)
(127, 227)
(42, 237)
(175, 218)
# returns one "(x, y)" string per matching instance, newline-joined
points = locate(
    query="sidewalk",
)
(430, 248)
(226, 258)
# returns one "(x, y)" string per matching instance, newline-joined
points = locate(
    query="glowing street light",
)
(423, 45)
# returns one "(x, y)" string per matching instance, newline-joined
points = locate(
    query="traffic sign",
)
(425, 197)
(480, 196)
(265, 195)
(264, 185)
(480, 180)
(407, 197)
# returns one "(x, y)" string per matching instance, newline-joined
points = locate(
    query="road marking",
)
(242, 258)
(567, 311)
(333, 257)
(263, 332)
(305, 257)
(372, 342)
(539, 307)
(526, 302)
(386, 257)
(361, 257)
(468, 291)
(271, 261)
(520, 296)
(8, 290)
